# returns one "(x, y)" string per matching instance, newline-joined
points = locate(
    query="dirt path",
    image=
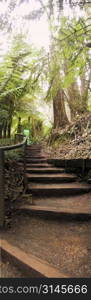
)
(65, 245)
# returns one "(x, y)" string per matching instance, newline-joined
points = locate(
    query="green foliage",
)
(47, 130)
(70, 60)
(21, 69)
(6, 142)
(27, 74)
(14, 154)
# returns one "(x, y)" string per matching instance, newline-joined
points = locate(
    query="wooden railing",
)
(23, 145)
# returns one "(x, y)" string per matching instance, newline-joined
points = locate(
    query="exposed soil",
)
(65, 245)
(72, 141)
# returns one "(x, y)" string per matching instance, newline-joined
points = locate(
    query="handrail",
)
(2, 150)
(12, 147)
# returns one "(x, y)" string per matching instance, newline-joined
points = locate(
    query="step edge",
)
(32, 262)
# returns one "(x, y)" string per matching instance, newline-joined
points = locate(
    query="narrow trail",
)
(54, 191)
(51, 229)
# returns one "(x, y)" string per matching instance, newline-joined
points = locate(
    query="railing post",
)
(2, 206)
(25, 178)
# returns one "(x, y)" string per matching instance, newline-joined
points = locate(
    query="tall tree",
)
(20, 75)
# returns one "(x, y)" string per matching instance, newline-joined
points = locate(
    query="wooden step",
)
(44, 170)
(34, 149)
(32, 152)
(57, 190)
(35, 157)
(30, 264)
(38, 165)
(55, 212)
(34, 160)
(34, 165)
(46, 178)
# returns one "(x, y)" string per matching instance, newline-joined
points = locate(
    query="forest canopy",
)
(45, 63)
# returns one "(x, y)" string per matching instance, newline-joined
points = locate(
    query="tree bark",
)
(5, 130)
(60, 117)
(9, 130)
(1, 128)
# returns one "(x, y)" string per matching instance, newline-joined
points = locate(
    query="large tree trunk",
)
(1, 129)
(10, 101)
(9, 130)
(19, 127)
(60, 117)
(74, 99)
(5, 130)
(33, 128)
(85, 84)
